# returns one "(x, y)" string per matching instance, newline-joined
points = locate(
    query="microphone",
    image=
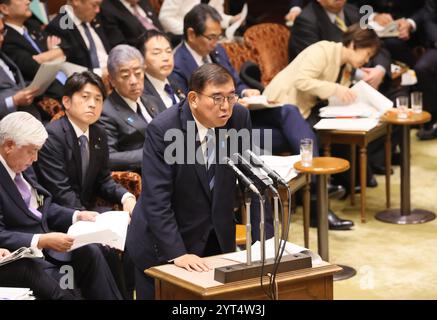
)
(260, 179)
(241, 177)
(258, 162)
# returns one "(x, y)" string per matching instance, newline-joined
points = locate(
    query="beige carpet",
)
(392, 261)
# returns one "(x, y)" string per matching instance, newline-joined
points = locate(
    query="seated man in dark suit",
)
(127, 111)
(29, 273)
(29, 218)
(159, 64)
(185, 211)
(73, 163)
(127, 20)
(83, 39)
(29, 46)
(13, 94)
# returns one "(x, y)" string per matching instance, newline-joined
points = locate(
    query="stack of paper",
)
(110, 229)
(284, 166)
(390, 30)
(363, 124)
(258, 102)
(21, 253)
(8, 293)
(290, 248)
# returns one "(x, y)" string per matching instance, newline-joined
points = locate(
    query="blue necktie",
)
(60, 76)
(84, 155)
(210, 157)
(169, 90)
(92, 48)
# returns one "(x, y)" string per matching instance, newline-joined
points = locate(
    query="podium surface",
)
(174, 283)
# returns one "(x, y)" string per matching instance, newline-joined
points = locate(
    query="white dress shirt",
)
(159, 87)
(197, 57)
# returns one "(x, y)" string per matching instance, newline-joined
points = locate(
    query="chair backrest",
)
(270, 44)
(239, 53)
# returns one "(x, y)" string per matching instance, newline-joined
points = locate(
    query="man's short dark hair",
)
(149, 34)
(209, 73)
(196, 18)
(77, 81)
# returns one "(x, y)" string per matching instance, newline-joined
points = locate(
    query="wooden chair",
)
(269, 41)
(239, 53)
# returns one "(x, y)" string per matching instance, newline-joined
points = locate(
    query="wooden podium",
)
(174, 283)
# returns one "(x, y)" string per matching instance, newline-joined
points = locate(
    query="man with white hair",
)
(28, 217)
(127, 110)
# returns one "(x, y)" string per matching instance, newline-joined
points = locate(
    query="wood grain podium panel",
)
(174, 283)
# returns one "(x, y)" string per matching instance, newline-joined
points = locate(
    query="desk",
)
(362, 139)
(174, 283)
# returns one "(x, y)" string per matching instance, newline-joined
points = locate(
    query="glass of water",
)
(402, 106)
(306, 152)
(416, 102)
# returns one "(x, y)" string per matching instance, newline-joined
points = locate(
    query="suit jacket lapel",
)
(150, 89)
(95, 145)
(126, 113)
(17, 73)
(198, 167)
(149, 107)
(72, 144)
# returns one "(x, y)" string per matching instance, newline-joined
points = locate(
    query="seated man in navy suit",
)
(185, 211)
(127, 111)
(29, 218)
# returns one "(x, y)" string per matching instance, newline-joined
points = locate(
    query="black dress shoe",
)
(334, 222)
(372, 183)
(336, 191)
(428, 134)
(380, 169)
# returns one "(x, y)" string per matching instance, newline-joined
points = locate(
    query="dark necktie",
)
(25, 193)
(92, 48)
(210, 157)
(60, 76)
(140, 113)
(84, 155)
(169, 90)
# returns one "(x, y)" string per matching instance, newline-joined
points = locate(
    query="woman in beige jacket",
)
(313, 74)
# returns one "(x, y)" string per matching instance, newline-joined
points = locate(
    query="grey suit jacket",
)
(8, 87)
(125, 131)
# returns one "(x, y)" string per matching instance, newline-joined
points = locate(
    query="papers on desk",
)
(259, 102)
(369, 104)
(290, 248)
(8, 293)
(45, 75)
(110, 229)
(230, 31)
(21, 253)
(284, 166)
(363, 124)
(390, 30)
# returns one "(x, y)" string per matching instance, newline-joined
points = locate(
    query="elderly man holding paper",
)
(28, 217)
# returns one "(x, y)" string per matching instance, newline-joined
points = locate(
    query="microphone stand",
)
(262, 231)
(276, 224)
(248, 232)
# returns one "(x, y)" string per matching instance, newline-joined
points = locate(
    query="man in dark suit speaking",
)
(185, 211)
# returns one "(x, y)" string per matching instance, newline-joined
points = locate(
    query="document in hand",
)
(20, 253)
(259, 102)
(110, 229)
(69, 68)
(8, 293)
(45, 75)
(369, 104)
(284, 166)
(390, 30)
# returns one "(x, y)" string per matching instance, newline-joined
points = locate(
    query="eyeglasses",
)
(219, 100)
(213, 37)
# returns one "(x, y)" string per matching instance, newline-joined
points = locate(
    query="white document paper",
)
(367, 98)
(284, 166)
(45, 75)
(230, 31)
(259, 102)
(69, 68)
(9, 293)
(21, 253)
(110, 229)
(362, 124)
(390, 30)
(290, 248)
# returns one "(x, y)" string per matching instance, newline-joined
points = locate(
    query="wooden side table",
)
(404, 214)
(324, 166)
